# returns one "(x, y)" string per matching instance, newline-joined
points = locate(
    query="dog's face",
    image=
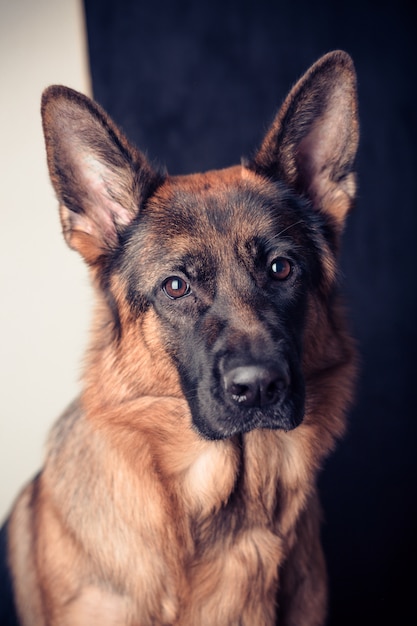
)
(226, 260)
(227, 269)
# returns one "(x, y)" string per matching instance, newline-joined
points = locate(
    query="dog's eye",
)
(175, 287)
(281, 268)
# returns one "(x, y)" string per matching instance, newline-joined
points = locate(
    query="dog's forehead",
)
(229, 202)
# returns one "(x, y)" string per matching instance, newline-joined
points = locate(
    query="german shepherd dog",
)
(180, 487)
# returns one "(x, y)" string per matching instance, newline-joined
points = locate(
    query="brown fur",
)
(136, 518)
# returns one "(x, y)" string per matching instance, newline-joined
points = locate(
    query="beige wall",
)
(44, 291)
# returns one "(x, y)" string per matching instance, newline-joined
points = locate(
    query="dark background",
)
(195, 85)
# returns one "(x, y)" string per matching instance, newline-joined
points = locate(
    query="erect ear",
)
(99, 178)
(312, 142)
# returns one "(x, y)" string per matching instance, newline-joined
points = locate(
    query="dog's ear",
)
(99, 178)
(312, 142)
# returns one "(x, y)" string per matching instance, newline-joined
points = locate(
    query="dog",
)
(180, 487)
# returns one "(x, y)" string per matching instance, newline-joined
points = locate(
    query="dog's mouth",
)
(249, 396)
(244, 421)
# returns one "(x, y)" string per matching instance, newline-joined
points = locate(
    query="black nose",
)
(255, 385)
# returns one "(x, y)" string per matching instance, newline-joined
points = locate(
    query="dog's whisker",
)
(281, 232)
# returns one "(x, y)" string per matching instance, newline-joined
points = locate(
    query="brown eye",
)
(175, 287)
(281, 268)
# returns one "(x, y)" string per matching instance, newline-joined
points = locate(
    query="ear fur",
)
(99, 178)
(312, 143)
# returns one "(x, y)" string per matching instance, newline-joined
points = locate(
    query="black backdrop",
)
(195, 85)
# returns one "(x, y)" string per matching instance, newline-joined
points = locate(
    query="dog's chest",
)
(234, 495)
(234, 485)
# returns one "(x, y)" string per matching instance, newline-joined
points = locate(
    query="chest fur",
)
(242, 503)
(198, 534)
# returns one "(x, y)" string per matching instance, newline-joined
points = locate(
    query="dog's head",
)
(226, 263)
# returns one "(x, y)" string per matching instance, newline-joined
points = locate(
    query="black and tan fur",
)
(180, 487)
